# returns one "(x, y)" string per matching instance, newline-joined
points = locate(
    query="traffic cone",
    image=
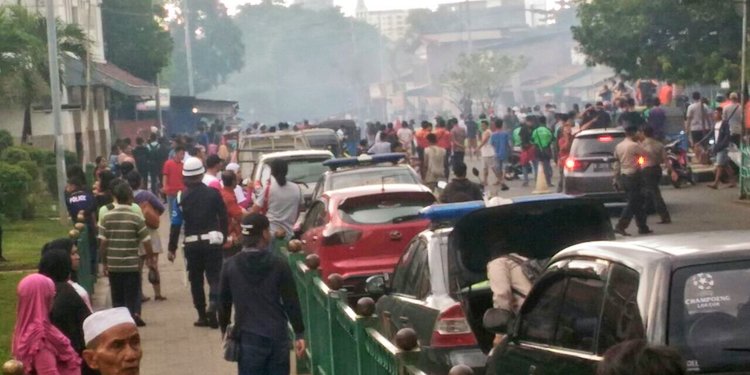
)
(541, 182)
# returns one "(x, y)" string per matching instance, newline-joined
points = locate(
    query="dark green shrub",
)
(31, 167)
(71, 158)
(6, 140)
(40, 156)
(49, 175)
(14, 154)
(14, 190)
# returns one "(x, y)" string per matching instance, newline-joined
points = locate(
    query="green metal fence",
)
(339, 341)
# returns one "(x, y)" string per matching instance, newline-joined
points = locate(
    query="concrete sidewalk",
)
(171, 345)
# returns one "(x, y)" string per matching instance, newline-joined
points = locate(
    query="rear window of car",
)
(595, 145)
(386, 210)
(710, 317)
(372, 176)
(307, 171)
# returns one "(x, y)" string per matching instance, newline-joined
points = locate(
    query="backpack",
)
(531, 268)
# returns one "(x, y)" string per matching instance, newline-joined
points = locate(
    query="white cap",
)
(154, 130)
(101, 321)
(193, 167)
(234, 167)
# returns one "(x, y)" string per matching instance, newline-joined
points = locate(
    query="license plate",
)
(602, 167)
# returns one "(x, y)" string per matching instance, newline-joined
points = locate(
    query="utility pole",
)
(54, 83)
(743, 83)
(188, 47)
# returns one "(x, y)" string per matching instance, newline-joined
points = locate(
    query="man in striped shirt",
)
(121, 232)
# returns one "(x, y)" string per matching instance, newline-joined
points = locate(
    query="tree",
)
(134, 39)
(23, 47)
(302, 63)
(481, 76)
(217, 46)
(680, 40)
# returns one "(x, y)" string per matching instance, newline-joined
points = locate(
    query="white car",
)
(305, 168)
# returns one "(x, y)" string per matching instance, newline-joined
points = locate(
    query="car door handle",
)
(314, 238)
(395, 235)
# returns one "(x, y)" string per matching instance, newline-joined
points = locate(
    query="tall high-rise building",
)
(314, 4)
(391, 23)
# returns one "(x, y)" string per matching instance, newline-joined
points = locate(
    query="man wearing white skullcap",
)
(238, 192)
(113, 345)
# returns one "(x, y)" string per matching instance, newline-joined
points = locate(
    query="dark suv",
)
(588, 170)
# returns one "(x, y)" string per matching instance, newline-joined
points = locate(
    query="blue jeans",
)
(263, 356)
(546, 164)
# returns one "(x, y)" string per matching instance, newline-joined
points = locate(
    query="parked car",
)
(589, 170)
(361, 231)
(447, 316)
(419, 296)
(535, 227)
(305, 166)
(365, 170)
(323, 139)
(688, 291)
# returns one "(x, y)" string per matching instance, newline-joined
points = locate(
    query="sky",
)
(348, 6)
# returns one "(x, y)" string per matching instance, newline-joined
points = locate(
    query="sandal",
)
(160, 298)
(710, 186)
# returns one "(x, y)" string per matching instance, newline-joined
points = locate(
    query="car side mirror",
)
(376, 285)
(498, 320)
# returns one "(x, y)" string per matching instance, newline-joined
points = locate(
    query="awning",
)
(109, 75)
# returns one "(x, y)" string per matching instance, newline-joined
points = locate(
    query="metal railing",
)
(341, 341)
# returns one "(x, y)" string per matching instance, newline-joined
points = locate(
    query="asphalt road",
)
(693, 208)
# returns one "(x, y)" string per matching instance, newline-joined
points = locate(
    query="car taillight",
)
(605, 139)
(641, 161)
(452, 329)
(341, 236)
(575, 165)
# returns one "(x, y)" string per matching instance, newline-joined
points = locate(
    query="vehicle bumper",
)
(441, 360)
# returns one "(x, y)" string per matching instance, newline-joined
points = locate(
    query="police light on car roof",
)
(364, 159)
(449, 211)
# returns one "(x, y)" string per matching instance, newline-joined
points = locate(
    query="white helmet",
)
(193, 167)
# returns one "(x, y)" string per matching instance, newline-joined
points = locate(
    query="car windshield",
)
(384, 211)
(372, 176)
(710, 317)
(307, 171)
(595, 145)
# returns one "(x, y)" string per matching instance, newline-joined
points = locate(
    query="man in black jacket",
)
(259, 284)
(460, 189)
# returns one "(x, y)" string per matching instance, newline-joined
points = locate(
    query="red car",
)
(362, 231)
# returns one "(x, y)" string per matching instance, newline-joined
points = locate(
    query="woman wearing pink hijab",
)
(39, 345)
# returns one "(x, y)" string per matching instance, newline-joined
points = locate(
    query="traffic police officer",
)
(628, 176)
(202, 211)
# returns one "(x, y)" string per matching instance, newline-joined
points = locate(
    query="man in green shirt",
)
(122, 231)
(541, 138)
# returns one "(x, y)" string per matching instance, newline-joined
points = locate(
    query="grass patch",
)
(23, 240)
(8, 283)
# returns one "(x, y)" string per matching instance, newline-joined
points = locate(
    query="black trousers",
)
(652, 193)
(203, 259)
(633, 186)
(447, 164)
(125, 290)
(458, 156)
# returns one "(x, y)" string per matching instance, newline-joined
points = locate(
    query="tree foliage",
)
(681, 40)
(481, 76)
(24, 63)
(302, 63)
(134, 38)
(217, 46)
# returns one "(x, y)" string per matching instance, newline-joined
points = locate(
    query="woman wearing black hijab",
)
(68, 309)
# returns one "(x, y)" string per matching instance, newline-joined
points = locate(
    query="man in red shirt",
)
(444, 141)
(420, 136)
(665, 94)
(234, 212)
(172, 172)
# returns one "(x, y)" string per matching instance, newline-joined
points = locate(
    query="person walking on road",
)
(501, 144)
(653, 159)
(204, 217)
(234, 213)
(122, 232)
(434, 157)
(458, 143)
(628, 176)
(487, 153)
(541, 138)
(260, 286)
(281, 200)
(564, 143)
(722, 139)
(460, 189)
(172, 176)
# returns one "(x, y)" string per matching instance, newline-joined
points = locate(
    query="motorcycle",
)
(677, 165)
(513, 169)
